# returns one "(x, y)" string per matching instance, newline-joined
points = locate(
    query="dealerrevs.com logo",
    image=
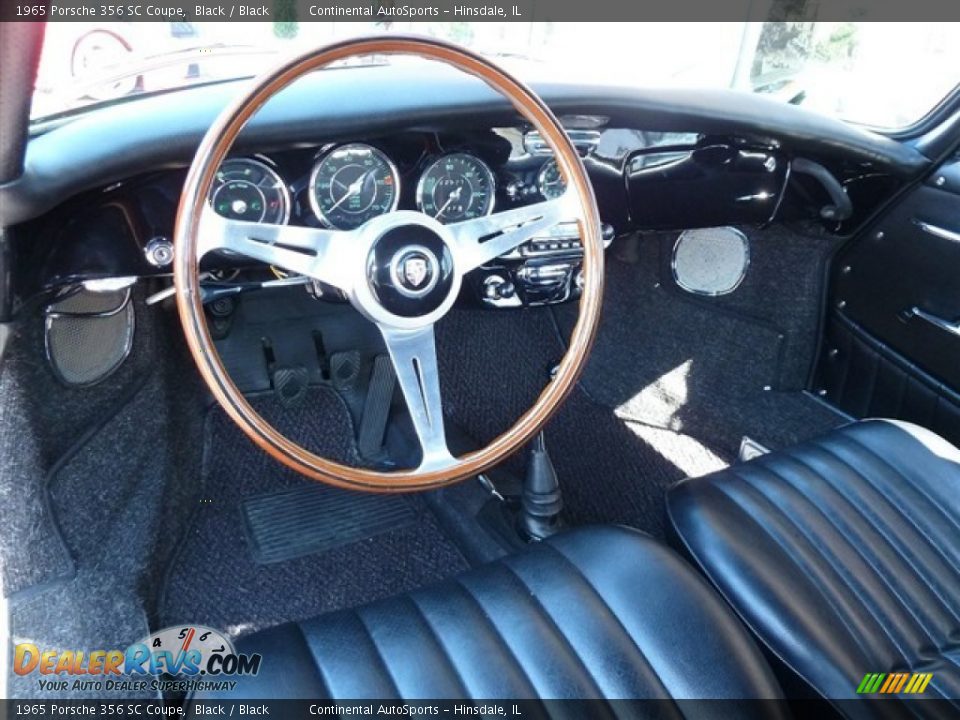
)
(183, 658)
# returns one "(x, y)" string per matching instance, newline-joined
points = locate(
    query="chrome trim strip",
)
(937, 231)
(946, 325)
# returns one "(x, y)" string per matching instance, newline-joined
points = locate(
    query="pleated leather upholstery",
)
(841, 554)
(601, 612)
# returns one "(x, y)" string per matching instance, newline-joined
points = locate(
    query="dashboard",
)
(350, 183)
(451, 174)
(100, 196)
(450, 177)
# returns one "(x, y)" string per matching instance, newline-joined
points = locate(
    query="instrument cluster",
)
(351, 183)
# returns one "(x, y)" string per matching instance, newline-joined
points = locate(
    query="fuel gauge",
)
(248, 189)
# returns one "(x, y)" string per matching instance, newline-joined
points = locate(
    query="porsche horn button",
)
(415, 271)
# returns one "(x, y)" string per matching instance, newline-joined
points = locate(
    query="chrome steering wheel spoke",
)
(483, 239)
(414, 356)
(317, 253)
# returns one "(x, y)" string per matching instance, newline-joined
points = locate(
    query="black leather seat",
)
(841, 554)
(601, 612)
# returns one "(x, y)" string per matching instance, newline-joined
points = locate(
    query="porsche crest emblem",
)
(416, 271)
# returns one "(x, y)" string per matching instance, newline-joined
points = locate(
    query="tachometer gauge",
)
(353, 184)
(550, 180)
(247, 189)
(456, 187)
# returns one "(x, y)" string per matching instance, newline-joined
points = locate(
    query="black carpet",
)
(713, 368)
(216, 578)
(493, 366)
(101, 516)
(41, 420)
(673, 384)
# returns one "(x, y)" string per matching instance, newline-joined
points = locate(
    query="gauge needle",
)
(355, 187)
(455, 195)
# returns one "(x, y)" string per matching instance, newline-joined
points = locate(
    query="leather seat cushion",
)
(841, 554)
(601, 612)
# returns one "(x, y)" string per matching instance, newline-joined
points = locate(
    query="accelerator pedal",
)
(376, 409)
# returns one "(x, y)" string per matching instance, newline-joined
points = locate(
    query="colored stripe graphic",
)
(871, 683)
(894, 683)
(919, 683)
(876, 683)
(891, 682)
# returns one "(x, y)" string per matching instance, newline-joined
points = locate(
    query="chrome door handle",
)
(951, 327)
(937, 231)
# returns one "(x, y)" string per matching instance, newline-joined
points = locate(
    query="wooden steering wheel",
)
(364, 263)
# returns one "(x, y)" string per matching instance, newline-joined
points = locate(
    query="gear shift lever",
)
(542, 500)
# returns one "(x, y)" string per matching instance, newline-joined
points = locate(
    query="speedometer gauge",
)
(353, 184)
(456, 187)
(247, 189)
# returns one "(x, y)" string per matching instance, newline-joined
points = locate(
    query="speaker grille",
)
(89, 335)
(710, 261)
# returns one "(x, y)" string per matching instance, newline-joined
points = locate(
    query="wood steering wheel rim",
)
(211, 153)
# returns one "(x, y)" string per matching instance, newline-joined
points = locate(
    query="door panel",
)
(879, 356)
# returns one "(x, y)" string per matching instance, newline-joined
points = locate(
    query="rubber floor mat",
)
(302, 521)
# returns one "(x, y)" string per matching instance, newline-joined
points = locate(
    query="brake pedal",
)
(290, 384)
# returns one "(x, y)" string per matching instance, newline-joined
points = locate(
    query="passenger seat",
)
(842, 555)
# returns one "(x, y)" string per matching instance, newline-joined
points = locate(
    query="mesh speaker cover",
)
(710, 261)
(89, 335)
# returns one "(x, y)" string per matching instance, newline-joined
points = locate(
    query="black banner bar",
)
(527, 709)
(387, 11)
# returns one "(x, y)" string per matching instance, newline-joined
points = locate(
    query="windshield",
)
(842, 69)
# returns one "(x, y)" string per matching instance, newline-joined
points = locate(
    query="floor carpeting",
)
(216, 579)
(90, 494)
(674, 381)
(493, 366)
(713, 368)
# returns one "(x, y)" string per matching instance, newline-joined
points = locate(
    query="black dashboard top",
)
(117, 142)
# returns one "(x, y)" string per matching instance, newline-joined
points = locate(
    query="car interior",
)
(421, 382)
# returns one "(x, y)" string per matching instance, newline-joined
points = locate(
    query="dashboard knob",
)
(159, 252)
(494, 287)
